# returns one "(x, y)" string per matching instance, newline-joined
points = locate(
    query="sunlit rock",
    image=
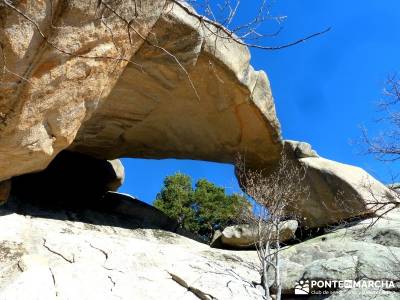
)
(162, 87)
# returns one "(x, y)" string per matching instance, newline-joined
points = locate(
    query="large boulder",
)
(70, 179)
(166, 88)
(51, 85)
(47, 254)
(364, 252)
(296, 150)
(117, 172)
(155, 112)
(246, 236)
(337, 192)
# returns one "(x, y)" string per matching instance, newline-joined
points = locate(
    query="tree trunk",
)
(264, 277)
(278, 282)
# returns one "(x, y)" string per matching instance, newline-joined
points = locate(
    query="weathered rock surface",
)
(68, 254)
(71, 178)
(337, 191)
(79, 79)
(353, 253)
(153, 111)
(144, 214)
(51, 85)
(90, 255)
(295, 149)
(245, 236)
(117, 172)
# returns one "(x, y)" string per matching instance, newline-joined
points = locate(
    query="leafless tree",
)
(274, 196)
(386, 146)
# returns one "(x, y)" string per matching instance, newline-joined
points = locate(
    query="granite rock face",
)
(149, 81)
(91, 255)
(164, 87)
(359, 252)
(337, 192)
(297, 150)
(117, 173)
(50, 86)
(154, 112)
(87, 254)
(246, 236)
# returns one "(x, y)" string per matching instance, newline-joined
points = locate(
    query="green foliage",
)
(203, 209)
(174, 198)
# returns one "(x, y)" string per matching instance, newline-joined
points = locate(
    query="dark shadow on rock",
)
(74, 187)
(71, 178)
(112, 209)
(142, 212)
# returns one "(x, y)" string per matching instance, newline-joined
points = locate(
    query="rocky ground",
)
(47, 254)
(358, 252)
(67, 254)
(102, 90)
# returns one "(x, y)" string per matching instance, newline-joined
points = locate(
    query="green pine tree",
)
(174, 198)
(201, 210)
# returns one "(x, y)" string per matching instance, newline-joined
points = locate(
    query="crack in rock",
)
(115, 270)
(20, 268)
(101, 250)
(54, 281)
(106, 255)
(198, 293)
(112, 282)
(71, 261)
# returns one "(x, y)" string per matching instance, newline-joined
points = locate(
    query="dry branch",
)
(272, 195)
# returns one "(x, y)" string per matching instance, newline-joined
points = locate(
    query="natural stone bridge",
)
(94, 101)
(153, 81)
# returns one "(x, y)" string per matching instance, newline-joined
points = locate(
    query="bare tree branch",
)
(272, 196)
(386, 145)
(216, 27)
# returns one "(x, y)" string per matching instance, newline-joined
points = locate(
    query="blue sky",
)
(324, 89)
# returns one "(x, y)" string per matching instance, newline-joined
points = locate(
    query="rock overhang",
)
(195, 96)
(145, 108)
(168, 87)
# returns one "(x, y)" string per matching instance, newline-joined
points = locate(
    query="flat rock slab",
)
(358, 252)
(48, 255)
